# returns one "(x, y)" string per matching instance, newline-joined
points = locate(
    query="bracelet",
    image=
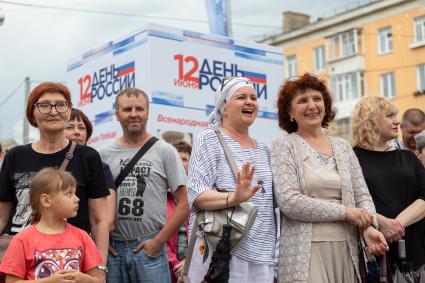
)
(227, 199)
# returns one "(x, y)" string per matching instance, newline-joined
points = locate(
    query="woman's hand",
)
(358, 216)
(375, 241)
(391, 228)
(243, 192)
(178, 269)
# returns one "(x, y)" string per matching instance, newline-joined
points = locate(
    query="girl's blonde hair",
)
(366, 117)
(48, 180)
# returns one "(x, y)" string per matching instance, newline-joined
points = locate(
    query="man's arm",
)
(177, 218)
(5, 211)
(99, 224)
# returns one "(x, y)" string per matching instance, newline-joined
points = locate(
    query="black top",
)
(22, 163)
(395, 180)
(108, 175)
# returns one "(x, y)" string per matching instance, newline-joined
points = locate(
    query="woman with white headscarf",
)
(211, 183)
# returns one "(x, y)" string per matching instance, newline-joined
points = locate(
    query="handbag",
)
(241, 217)
(5, 238)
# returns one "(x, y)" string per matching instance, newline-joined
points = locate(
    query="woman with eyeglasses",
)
(48, 109)
(320, 190)
(212, 185)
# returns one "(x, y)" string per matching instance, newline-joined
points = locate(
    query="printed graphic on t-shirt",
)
(130, 193)
(22, 217)
(49, 261)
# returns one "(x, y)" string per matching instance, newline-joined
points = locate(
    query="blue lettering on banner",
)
(212, 72)
(106, 81)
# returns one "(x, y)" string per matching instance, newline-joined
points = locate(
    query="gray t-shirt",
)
(142, 195)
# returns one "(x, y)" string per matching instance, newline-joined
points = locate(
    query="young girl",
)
(52, 250)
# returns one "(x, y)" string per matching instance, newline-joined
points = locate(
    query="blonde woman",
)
(395, 177)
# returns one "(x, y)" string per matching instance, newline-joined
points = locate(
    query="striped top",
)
(209, 168)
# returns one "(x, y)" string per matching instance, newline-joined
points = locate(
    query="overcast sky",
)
(39, 42)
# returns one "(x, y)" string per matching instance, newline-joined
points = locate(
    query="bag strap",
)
(227, 153)
(134, 160)
(192, 240)
(190, 247)
(68, 156)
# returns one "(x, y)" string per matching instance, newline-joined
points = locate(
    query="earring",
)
(291, 119)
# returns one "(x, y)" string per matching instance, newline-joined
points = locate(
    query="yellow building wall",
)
(305, 60)
(402, 60)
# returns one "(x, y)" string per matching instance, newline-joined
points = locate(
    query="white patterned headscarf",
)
(224, 92)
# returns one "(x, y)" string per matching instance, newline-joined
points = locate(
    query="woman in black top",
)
(48, 109)
(395, 178)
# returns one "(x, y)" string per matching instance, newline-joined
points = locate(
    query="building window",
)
(319, 58)
(385, 40)
(348, 45)
(388, 85)
(292, 65)
(343, 45)
(419, 29)
(421, 77)
(345, 87)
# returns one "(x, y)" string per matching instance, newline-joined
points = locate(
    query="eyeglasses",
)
(46, 107)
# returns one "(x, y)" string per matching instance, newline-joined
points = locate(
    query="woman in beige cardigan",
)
(320, 190)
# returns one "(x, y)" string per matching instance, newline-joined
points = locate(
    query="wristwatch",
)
(103, 268)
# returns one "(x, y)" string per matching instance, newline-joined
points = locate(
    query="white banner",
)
(180, 71)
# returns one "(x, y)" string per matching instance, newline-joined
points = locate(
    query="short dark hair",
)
(38, 91)
(131, 91)
(79, 115)
(420, 141)
(289, 90)
(182, 146)
(414, 116)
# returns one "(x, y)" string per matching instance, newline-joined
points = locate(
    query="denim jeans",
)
(138, 267)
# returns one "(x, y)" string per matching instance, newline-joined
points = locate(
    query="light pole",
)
(2, 17)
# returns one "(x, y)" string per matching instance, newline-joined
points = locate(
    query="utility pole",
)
(26, 129)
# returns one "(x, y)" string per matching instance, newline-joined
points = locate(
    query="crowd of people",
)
(124, 214)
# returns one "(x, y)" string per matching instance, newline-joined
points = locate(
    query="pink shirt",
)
(36, 255)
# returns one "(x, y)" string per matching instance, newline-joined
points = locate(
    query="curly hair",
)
(296, 85)
(366, 117)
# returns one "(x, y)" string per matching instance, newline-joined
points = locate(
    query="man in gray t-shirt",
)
(141, 229)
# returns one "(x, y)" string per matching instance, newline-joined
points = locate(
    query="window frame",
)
(420, 75)
(388, 84)
(385, 33)
(319, 60)
(419, 23)
(291, 62)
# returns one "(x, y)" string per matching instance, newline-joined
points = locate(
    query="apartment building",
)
(377, 48)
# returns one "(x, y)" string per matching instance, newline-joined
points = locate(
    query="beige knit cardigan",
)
(300, 211)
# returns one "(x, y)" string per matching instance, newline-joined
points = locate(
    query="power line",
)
(127, 14)
(11, 94)
(306, 28)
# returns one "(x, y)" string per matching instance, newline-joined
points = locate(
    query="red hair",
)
(290, 89)
(39, 91)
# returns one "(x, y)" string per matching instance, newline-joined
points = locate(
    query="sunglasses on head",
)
(296, 78)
